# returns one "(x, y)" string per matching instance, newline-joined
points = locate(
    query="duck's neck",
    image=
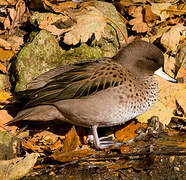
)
(149, 87)
(146, 93)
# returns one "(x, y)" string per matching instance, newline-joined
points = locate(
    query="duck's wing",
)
(82, 80)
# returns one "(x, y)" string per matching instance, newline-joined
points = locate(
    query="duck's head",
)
(142, 59)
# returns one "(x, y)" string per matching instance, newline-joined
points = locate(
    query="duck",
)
(97, 93)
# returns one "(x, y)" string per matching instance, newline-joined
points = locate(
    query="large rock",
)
(45, 53)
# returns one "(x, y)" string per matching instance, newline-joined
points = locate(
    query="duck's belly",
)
(102, 109)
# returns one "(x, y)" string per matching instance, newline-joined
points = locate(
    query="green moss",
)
(5, 139)
(42, 54)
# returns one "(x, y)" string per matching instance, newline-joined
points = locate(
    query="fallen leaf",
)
(18, 15)
(71, 148)
(181, 64)
(171, 38)
(71, 141)
(7, 23)
(128, 132)
(158, 109)
(149, 16)
(49, 24)
(90, 21)
(7, 2)
(4, 44)
(17, 168)
(15, 42)
(159, 9)
(5, 95)
(169, 65)
(4, 118)
(182, 73)
(138, 24)
(3, 3)
(59, 6)
(168, 92)
(31, 145)
(6, 55)
(73, 155)
(3, 68)
(180, 96)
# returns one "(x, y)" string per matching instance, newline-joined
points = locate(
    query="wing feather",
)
(82, 80)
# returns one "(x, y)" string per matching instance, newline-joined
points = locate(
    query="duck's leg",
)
(102, 142)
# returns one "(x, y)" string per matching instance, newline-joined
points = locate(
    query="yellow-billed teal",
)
(96, 93)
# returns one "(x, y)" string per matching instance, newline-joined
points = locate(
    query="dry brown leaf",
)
(182, 73)
(59, 6)
(71, 150)
(6, 55)
(91, 21)
(2, 31)
(180, 96)
(131, 10)
(4, 44)
(17, 168)
(71, 141)
(57, 145)
(158, 109)
(171, 38)
(167, 92)
(128, 132)
(48, 137)
(12, 14)
(15, 42)
(7, 23)
(3, 68)
(3, 3)
(49, 24)
(138, 24)
(73, 155)
(18, 15)
(160, 10)
(169, 65)
(4, 118)
(11, 2)
(30, 145)
(181, 57)
(149, 16)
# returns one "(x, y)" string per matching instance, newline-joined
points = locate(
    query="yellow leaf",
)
(181, 96)
(5, 95)
(3, 68)
(6, 55)
(128, 132)
(158, 109)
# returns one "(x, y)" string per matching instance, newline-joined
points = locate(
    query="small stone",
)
(176, 168)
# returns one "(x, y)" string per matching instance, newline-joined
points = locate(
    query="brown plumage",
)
(97, 93)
